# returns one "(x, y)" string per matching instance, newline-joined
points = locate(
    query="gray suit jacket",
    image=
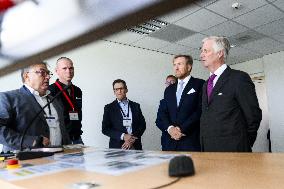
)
(17, 109)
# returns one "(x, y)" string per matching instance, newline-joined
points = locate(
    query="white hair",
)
(220, 44)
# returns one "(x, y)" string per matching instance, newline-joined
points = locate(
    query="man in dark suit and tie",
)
(123, 120)
(230, 110)
(182, 109)
(171, 79)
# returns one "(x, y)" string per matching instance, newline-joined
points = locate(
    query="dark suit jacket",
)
(112, 124)
(17, 109)
(186, 116)
(230, 121)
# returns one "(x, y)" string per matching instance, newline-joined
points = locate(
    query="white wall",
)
(274, 74)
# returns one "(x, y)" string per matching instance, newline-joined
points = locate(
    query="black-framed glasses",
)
(43, 73)
(119, 89)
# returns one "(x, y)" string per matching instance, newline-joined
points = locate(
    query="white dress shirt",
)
(218, 73)
(124, 105)
(55, 136)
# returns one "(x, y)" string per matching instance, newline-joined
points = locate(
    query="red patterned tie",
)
(210, 86)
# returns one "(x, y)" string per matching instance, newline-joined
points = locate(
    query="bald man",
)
(71, 98)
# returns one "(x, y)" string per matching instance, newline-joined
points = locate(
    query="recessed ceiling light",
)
(148, 27)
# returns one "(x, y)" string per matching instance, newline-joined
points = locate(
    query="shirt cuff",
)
(122, 136)
(169, 128)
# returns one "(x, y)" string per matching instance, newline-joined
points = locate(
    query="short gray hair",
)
(220, 43)
(28, 68)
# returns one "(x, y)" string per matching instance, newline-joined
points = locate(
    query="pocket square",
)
(191, 91)
(220, 94)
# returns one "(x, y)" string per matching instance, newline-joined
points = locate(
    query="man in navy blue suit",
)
(182, 109)
(170, 79)
(123, 120)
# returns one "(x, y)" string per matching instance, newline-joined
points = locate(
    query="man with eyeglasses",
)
(123, 120)
(19, 107)
(71, 99)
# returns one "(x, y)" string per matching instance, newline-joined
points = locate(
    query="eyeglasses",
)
(43, 73)
(119, 89)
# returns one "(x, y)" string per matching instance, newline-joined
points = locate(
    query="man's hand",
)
(129, 138)
(176, 133)
(126, 145)
(41, 142)
(45, 141)
(128, 141)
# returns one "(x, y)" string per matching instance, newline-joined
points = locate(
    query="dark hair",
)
(172, 76)
(187, 58)
(28, 68)
(119, 81)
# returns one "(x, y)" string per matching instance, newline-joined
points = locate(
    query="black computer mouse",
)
(181, 166)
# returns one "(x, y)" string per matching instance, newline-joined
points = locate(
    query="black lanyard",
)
(48, 105)
(127, 115)
(47, 99)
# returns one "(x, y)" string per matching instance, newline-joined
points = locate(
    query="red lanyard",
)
(66, 96)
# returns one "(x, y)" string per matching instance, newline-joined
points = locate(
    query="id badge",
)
(73, 115)
(127, 122)
(50, 121)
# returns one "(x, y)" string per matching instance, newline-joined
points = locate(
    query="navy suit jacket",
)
(112, 124)
(17, 109)
(186, 116)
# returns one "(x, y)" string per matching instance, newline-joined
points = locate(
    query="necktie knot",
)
(212, 77)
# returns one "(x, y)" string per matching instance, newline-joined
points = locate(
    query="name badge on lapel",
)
(126, 122)
(73, 115)
(50, 121)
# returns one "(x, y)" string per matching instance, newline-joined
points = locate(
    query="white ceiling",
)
(256, 29)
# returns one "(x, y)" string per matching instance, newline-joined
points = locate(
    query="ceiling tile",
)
(175, 49)
(279, 37)
(205, 3)
(125, 37)
(199, 20)
(279, 4)
(193, 41)
(224, 7)
(245, 37)
(265, 46)
(243, 54)
(260, 16)
(195, 54)
(172, 33)
(180, 13)
(151, 43)
(227, 29)
(232, 60)
(271, 28)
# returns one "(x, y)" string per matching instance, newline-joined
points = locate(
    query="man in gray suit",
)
(19, 107)
(230, 110)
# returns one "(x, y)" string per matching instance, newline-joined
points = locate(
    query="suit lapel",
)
(186, 90)
(33, 102)
(132, 107)
(221, 81)
(116, 109)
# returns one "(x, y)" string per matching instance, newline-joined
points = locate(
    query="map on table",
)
(108, 161)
